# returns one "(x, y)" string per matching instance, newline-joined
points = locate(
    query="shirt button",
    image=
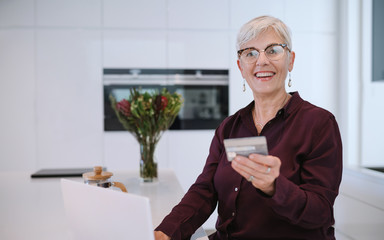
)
(236, 189)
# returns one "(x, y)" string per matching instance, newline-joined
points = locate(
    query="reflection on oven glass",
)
(201, 104)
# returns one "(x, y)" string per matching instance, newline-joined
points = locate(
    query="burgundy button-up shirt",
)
(306, 138)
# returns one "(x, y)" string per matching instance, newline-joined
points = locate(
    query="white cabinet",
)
(197, 34)
(241, 11)
(69, 13)
(198, 14)
(134, 49)
(198, 49)
(165, 35)
(359, 208)
(17, 100)
(68, 98)
(17, 13)
(133, 14)
(188, 151)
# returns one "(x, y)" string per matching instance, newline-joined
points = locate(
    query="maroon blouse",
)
(306, 138)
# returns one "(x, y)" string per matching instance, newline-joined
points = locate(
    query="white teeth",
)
(264, 74)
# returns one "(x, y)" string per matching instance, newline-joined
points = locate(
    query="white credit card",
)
(245, 146)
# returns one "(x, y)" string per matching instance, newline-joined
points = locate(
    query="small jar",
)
(101, 179)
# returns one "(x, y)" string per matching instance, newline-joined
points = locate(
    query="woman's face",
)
(264, 76)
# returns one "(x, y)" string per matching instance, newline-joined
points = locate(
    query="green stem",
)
(148, 168)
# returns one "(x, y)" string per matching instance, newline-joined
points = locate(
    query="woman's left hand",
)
(260, 170)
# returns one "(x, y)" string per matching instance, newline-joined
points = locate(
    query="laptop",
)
(101, 213)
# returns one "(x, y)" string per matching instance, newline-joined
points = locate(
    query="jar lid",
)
(97, 174)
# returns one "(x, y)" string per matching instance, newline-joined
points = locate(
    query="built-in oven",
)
(205, 94)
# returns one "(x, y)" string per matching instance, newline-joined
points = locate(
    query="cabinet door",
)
(198, 14)
(188, 151)
(69, 13)
(134, 49)
(241, 11)
(69, 98)
(198, 49)
(134, 14)
(17, 106)
(17, 13)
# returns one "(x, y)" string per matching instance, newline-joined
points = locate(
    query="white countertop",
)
(34, 209)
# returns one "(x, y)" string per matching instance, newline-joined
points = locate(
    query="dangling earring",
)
(244, 85)
(290, 80)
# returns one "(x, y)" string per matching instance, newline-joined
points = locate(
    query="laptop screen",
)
(101, 213)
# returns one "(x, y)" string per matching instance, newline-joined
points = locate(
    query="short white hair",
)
(259, 25)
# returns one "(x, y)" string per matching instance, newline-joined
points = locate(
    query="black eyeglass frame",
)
(284, 45)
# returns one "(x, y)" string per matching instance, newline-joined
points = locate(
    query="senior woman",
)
(288, 194)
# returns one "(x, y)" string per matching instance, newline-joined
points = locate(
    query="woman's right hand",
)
(159, 235)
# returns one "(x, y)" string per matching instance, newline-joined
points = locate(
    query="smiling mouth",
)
(264, 74)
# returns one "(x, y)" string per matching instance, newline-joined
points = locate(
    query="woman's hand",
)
(161, 236)
(260, 170)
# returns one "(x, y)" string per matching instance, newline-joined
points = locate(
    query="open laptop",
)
(100, 213)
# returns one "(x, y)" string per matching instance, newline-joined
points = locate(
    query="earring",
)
(290, 80)
(244, 85)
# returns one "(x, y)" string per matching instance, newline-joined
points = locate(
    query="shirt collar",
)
(293, 103)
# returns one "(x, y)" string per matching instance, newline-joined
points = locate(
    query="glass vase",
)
(148, 164)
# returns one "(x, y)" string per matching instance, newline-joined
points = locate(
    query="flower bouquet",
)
(147, 115)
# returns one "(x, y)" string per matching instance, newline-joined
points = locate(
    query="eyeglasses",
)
(273, 52)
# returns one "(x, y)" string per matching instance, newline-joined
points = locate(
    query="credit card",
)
(245, 146)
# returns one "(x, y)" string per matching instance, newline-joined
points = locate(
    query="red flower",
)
(164, 102)
(124, 107)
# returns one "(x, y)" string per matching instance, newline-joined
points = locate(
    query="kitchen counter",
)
(34, 209)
